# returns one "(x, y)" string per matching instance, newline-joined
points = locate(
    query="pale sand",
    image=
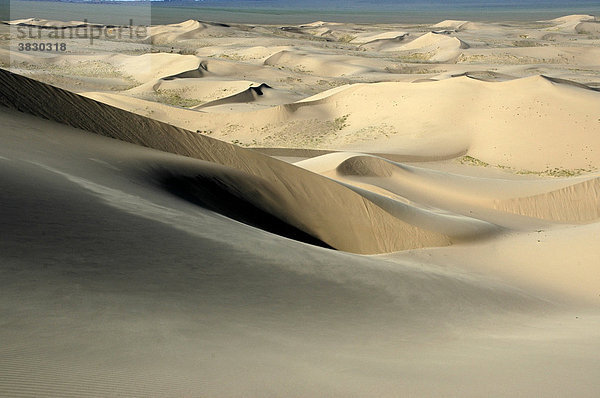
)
(169, 260)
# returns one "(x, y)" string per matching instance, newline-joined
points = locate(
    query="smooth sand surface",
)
(326, 209)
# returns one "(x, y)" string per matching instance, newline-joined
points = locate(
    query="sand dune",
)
(179, 282)
(143, 254)
(286, 191)
(322, 65)
(226, 70)
(185, 90)
(573, 18)
(583, 57)
(202, 89)
(555, 262)
(247, 52)
(494, 109)
(452, 24)
(152, 66)
(190, 29)
(483, 120)
(396, 118)
(261, 94)
(579, 202)
(369, 37)
(588, 27)
(434, 47)
(317, 24)
(374, 178)
(385, 45)
(560, 200)
(485, 75)
(570, 22)
(324, 31)
(148, 108)
(46, 23)
(178, 101)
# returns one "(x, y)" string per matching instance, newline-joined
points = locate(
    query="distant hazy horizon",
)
(286, 11)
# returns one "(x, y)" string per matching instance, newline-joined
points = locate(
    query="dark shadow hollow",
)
(216, 195)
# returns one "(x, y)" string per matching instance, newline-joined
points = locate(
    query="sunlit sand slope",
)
(355, 225)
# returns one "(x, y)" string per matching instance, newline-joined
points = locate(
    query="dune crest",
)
(573, 18)
(452, 24)
(190, 29)
(488, 199)
(147, 67)
(437, 47)
(365, 38)
(324, 65)
(577, 203)
(573, 23)
(365, 166)
(395, 118)
(357, 226)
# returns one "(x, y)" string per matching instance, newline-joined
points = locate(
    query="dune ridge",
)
(358, 226)
(571, 22)
(366, 38)
(577, 203)
(324, 65)
(432, 46)
(490, 200)
(261, 94)
(452, 24)
(173, 32)
(395, 117)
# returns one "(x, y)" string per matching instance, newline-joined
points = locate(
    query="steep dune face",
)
(355, 224)
(588, 27)
(579, 202)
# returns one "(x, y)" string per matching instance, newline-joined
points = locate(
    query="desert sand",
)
(324, 209)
